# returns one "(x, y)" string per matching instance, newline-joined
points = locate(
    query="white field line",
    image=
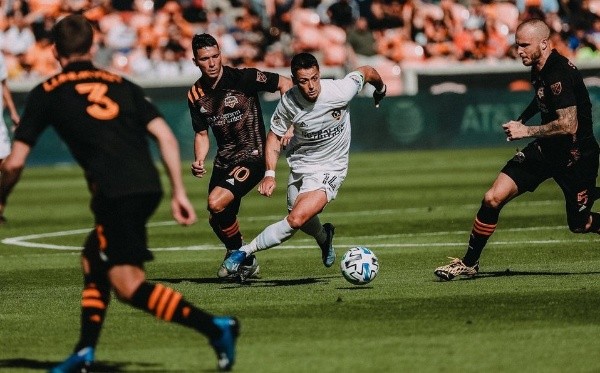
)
(25, 241)
(370, 241)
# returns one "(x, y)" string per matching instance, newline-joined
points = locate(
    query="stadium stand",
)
(143, 38)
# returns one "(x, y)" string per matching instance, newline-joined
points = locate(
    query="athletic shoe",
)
(79, 362)
(327, 251)
(456, 268)
(224, 346)
(249, 268)
(232, 263)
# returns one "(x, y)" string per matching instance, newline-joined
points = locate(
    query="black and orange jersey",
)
(102, 118)
(557, 86)
(232, 110)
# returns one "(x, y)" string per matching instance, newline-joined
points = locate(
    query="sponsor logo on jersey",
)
(556, 88)
(203, 110)
(230, 181)
(261, 77)
(230, 101)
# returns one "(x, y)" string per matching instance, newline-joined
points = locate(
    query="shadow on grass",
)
(251, 282)
(96, 367)
(508, 273)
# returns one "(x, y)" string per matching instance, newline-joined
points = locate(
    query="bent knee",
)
(214, 205)
(295, 221)
(492, 200)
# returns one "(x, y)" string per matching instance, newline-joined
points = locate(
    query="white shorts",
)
(4, 141)
(329, 182)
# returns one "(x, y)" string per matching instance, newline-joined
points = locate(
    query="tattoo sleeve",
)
(566, 124)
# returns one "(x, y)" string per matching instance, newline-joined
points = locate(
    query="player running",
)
(105, 120)
(564, 149)
(225, 99)
(318, 110)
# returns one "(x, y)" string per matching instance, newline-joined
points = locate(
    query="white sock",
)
(272, 235)
(314, 228)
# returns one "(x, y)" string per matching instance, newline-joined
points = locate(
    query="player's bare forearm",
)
(272, 150)
(565, 124)
(201, 147)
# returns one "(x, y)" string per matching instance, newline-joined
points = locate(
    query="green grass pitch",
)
(534, 308)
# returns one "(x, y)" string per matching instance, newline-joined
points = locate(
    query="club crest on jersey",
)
(336, 114)
(556, 88)
(261, 77)
(230, 101)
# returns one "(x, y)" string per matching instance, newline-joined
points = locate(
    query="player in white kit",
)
(5, 101)
(317, 153)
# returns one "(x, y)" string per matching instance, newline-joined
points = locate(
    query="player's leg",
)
(94, 303)
(306, 206)
(329, 183)
(227, 188)
(522, 173)
(223, 217)
(502, 190)
(127, 250)
(579, 189)
(169, 305)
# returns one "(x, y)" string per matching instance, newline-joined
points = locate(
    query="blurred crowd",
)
(152, 38)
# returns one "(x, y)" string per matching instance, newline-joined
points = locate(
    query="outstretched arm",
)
(182, 209)
(284, 84)
(372, 77)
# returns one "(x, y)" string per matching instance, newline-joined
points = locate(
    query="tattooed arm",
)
(565, 124)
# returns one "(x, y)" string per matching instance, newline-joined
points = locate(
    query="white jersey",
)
(321, 139)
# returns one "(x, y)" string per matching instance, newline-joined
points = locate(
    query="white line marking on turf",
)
(23, 241)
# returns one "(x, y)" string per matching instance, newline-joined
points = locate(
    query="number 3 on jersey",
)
(102, 107)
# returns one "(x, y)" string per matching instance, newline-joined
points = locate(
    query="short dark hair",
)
(202, 41)
(303, 61)
(73, 35)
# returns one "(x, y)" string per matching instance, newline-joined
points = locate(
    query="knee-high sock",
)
(169, 305)
(314, 228)
(227, 228)
(95, 298)
(483, 227)
(272, 235)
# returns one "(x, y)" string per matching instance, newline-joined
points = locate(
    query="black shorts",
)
(120, 235)
(577, 180)
(239, 179)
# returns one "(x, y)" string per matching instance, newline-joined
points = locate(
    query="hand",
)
(379, 95)
(182, 210)
(198, 169)
(267, 186)
(514, 130)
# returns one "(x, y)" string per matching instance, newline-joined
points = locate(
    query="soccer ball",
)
(359, 265)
